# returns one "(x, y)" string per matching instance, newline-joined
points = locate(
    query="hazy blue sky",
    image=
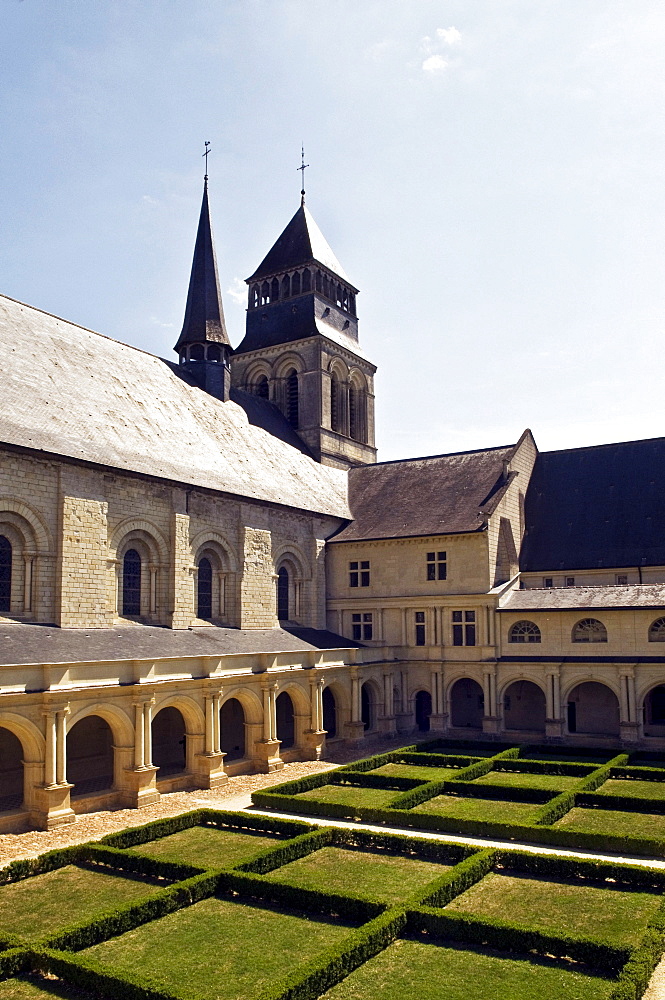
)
(489, 174)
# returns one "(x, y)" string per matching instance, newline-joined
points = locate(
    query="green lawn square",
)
(412, 970)
(45, 903)
(616, 915)
(218, 948)
(38, 988)
(381, 877)
(523, 779)
(207, 847)
(417, 771)
(488, 810)
(351, 795)
(633, 787)
(614, 823)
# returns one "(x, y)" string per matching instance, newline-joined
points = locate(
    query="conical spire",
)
(204, 314)
(301, 242)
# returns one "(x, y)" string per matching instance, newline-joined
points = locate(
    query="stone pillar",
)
(27, 582)
(404, 717)
(52, 803)
(139, 782)
(266, 751)
(355, 729)
(181, 590)
(438, 719)
(82, 598)
(629, 723)
(490, 715)
(209, 764)
(553, 721)
(258, 602)
(387, 721)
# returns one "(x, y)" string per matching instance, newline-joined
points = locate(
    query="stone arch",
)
(213, 547)
(292, 577)
(289, 360)
(357, 406)
(286, 720)
(233, 729)
(330, 712)
(169, 741)
(369, 705)
(254, 375)
(467, 705)
(653, 711)
(12, 779)
(144, 538)
(524, 705)
(32, 740)
(423, 709)
(593, 709)
(250, 701)
(118, 721)
(90, 755)
(38, 534)
(24, 769)
(30, 544)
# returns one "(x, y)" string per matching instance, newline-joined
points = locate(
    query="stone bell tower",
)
(301, 348)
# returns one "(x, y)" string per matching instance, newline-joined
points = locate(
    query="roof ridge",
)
(606, 444)
(449, 454)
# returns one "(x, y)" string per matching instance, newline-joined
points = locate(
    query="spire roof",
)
(301, 242)
(204, 314)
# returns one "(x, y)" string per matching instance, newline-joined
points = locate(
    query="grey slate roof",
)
(445, 494)
(301, 242)
(204, 313)
(578, 598)
(22, 644)
(68, 391)
(589, 508)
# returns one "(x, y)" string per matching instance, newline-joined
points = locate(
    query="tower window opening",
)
(254, 296)
(319, 281)
(286, 286)
(306, 280)
(196, 352)
(274, 290)
(262, 387)
(295, 284)
(265, 293)
(335, 392)
(326, 286)
(131, 583)
(292, 397)
(283, 594)
(352, 303)
(214, 352)
(204, 589)
(353, 413)
(338, 296)
(5, 573)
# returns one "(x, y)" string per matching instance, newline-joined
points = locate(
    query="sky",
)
(489, 175)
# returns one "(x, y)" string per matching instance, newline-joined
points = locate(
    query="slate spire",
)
(204, 313)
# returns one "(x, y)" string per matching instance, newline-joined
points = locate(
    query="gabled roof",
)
(301, 243)
(582, 598)
(204, 313)
(70, 392)
(445, 494)
(603, 506)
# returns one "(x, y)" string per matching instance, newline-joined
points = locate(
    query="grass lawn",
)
(411, 970)
(417, 771)
(45, 903)
(38, 988)
(207, 847)
(633, 787)
(218, 948)
(613, 822)
(351, 795)
(386, 878)
(490, 810)
(615, 915)
(522, 779)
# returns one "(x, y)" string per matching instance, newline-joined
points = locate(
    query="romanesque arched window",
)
(262, 388)
(292, 397)
(657, 630)
(589, 630)
(525, 632)
(283, 594)
(354, 414)
(204, 587)
(335, 402)
(5, 574)
(131, 583)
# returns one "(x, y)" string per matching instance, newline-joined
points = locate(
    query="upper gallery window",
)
(421, 637)
(589, 630)
(5, 573)
(436, 566)
(464, 628)
(361, 624)
(525, 632)
(359, 573)
(657, 630)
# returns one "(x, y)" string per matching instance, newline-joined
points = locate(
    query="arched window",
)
(204, 609)
(306, 280)
(292, 397)
(354, 430)
(286, 287)
(5, 574)
(589, 630)
(326, 286)
(196, 352)
(657, 630)
(295, 283)
(214, 352)
(265, 293)
(525, 632)
(274, 290)
(283, 594)
(335, 402)
(319, 282)
(131, 583)
(262, 387)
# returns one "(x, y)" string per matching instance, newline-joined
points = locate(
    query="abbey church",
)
(204, 571)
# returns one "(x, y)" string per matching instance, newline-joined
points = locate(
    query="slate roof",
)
(577, 598)
(301, 243)
(22, 644)
(204, 313)
(445, 494)
(596, 507)
(70, 392)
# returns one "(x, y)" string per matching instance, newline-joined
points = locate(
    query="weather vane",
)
(207, 146)
(302, 168)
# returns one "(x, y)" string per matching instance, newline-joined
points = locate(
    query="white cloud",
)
(435, 64)
(449, 36)
(155, 321)
(238, 292)
(379, 50)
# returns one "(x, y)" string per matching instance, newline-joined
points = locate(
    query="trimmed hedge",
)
(401, 843)
(88, 975)
(219, 819)
(369, 780)
(571, 768)
(641, 773)
(556, 868)
(370, 763)
(14, 960)
(503, 936)
(283, 854)
(100, 856)
(624, 803)
(454, 883)
(434, 759)
(349, 907)
(15, 871)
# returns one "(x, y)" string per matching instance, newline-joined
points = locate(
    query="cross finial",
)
(207, 146)
(302, 168)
